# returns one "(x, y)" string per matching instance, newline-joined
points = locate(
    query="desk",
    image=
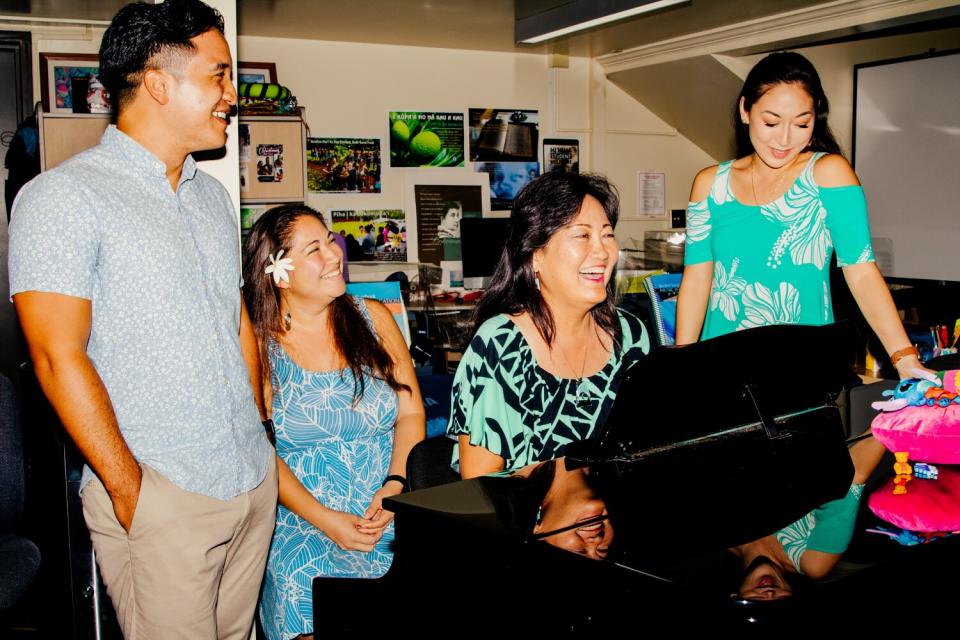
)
(446, 326)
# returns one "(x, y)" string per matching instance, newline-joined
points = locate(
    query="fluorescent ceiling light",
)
(596, 22)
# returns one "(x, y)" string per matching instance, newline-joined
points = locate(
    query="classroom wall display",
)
(439, 208)
(504, 135)
(426, 139)
(651, 194)
(250, 72)
(372, 234)
(343, 165)
(272, 159)
(561, 154)
(506, 180)
(64, 76)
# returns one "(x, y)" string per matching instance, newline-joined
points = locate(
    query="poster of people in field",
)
(372, 234)
(343, 165)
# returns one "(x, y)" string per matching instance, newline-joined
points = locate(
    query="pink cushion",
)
(928, 505)
(928, 434)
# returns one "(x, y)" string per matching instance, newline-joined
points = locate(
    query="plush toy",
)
(917, 393)
(921, 422)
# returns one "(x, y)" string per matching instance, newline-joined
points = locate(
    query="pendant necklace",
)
(582, 397)
(753, 182)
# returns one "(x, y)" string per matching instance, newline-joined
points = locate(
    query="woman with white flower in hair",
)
(345, 406)
(762, 228)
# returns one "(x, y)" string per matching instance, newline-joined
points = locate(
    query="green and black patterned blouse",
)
(512, 407)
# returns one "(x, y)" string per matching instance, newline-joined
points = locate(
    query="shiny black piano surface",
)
(707, 448)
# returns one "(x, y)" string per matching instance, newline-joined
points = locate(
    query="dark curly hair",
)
(148, 36)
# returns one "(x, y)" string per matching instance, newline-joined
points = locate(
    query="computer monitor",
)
(481, 243)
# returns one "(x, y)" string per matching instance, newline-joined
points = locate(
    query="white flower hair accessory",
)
(279, 267)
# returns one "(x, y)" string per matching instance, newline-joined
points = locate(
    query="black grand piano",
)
(709, 446)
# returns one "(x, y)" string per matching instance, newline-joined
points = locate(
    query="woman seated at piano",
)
(544, 365)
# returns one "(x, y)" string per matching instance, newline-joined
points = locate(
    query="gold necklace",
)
(753, 173)
(581, 397)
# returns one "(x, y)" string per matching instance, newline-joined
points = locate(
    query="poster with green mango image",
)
(426, 139)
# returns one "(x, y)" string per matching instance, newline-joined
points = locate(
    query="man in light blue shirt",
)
(125, 272)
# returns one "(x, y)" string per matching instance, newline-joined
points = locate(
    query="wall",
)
(85, 38)
(348, 88)
(835, 64)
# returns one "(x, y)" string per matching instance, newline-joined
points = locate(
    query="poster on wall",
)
(561, 154)
(651, 194)
(504, 135)
(372, 234)
(426, 139)
(269, 163)
(506, 180)
(343, 165)
(439, 209)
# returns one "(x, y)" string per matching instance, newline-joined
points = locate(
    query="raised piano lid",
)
(681, 393)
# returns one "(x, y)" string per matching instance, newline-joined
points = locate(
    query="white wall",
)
(835, 64)
(348, 89)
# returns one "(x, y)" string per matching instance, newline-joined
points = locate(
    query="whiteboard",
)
(907, 155)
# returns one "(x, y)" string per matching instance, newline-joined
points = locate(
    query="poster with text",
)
(426, 139)
(504, 135)
(506, 180)
(343, 165)
(439, 209)
(561, 155)
(270, 163)
(651, 194)
(372, 234)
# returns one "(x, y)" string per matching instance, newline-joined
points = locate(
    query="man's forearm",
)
(76, 392)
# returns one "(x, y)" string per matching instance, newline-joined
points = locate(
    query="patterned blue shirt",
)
(162, 270)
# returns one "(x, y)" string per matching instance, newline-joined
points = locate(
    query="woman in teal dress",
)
(545, 363)
(346, 410)
(761, 229)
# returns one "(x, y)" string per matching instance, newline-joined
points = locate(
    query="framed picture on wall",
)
(250, 72)
(58, 72)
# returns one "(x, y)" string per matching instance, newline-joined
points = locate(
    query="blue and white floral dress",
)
(341, 454)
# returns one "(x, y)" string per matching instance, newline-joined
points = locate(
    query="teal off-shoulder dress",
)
(771, 263)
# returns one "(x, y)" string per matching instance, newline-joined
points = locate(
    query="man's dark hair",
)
(145, 36)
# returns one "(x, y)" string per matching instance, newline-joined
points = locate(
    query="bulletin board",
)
(273, 165)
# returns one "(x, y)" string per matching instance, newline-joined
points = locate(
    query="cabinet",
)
(63, 135)
(273, 159)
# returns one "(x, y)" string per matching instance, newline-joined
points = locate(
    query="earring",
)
(536, 282)
(744, 121)
(287, 321)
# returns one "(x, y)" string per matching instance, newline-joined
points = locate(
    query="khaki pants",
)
(191, 566)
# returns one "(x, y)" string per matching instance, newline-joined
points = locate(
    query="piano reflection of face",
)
(764, 580)
(570, 500)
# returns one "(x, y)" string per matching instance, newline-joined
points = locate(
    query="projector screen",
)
(906, 152)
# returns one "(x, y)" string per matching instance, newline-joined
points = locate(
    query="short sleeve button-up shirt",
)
(162, 271)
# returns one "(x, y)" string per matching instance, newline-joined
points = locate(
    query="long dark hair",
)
(353, 338)
(785, 67)
(543, 207)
